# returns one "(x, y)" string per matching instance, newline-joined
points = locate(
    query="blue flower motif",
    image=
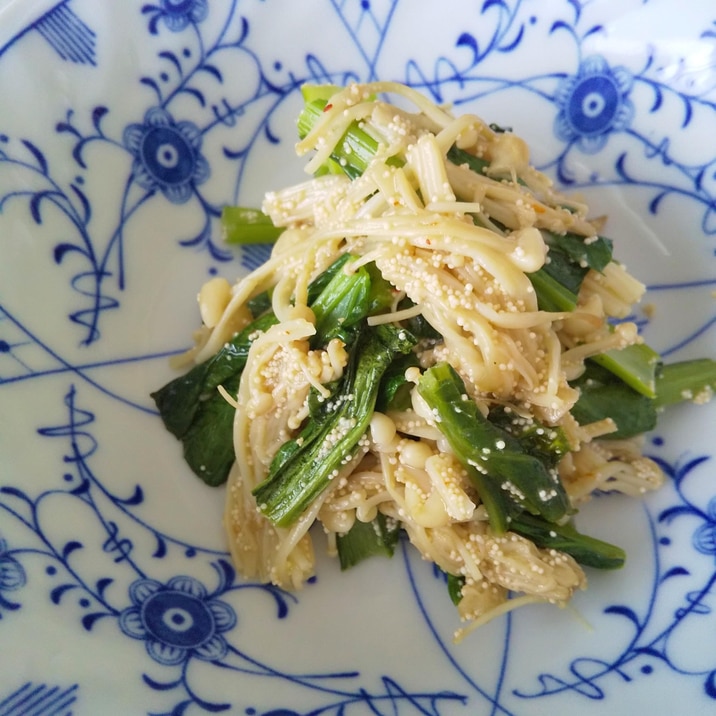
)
(177, 620)
(704, 538)
(166, 155)
(593, 103)
(177, 14)
(12, 574)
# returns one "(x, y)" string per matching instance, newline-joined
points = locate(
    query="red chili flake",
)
(327, 107)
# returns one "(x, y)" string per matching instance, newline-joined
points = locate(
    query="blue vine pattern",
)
(181, 622)
(657, 643)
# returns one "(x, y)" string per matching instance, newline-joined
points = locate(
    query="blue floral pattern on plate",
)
(166, 155)
(593, 103)
(109, 207)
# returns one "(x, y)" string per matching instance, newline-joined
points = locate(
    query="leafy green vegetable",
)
(552, 295)
(355, 149)
(179, 400)
(459, 157)
(242, 225)
(558, 282)
(508, 479)
(195, 412)
(685, 380)
(548, 444)
(455, 583)
(636, 365)
(347, 299)
(418, 325)
(367, 539)
(588, 551)
(604, 395)
(593, 253)
(318, 93)
(315, 457)
(394, 391)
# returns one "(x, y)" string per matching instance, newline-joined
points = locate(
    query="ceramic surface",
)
(124, 127)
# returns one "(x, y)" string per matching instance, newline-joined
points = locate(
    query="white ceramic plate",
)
(124, 127)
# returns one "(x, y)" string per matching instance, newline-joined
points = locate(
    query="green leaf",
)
(367, 539)
(507, 478)
(242, 225)
(455, 584)
(685, 380)
(321, 451)
(547, 443)
(603, 395)
(588, 551)
(587, 252)
(636, 365)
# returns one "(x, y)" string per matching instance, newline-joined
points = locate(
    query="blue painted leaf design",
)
(7, 604)
(102, 584)
(161, 549)
(35, 203)
(593, 30)
(70, 547)
(501, 4)
(698, 181)
(577, 7)
(160, 685)
(560, 25)
(244, 31)
(211, 707)
(83, 487)
(167, 55)
(270, 135)
(97, 114)
(151, 83)
(136, 498)
(77, 154)
(468, 40)
(89, 620)
(39, 156)
(649, 651)
(281, 603)
(57, 593)
(710, 685)
(153, 22)
(16, 492)
(624, 611)
(619, 166)
(61, 127)
(227, 574)
(671, 512)
(233, 153)
(511, 46)
(658, 98)
(688, 111)
(687, 467)
(196, 94)
(654, 203)
(86, 208)
(212, 70)
(675, 572)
